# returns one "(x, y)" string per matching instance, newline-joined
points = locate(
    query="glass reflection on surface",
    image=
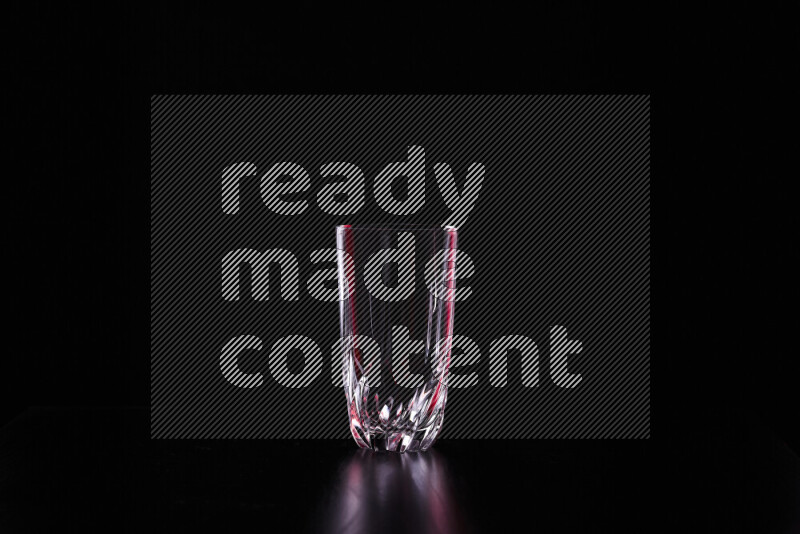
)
(384, 492)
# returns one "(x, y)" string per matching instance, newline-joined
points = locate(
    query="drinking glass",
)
(397, 287)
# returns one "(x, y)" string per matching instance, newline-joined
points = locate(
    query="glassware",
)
(397, 285)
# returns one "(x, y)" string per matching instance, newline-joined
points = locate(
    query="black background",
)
(76, 243)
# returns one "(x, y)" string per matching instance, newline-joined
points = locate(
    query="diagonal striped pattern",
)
(404, 257)
(403, 347)
(414, 169)
(528, 357)
(551, 195)
(465, 352)
(259, 263)
(278, 361)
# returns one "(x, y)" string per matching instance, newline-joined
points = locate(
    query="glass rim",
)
(396, 226)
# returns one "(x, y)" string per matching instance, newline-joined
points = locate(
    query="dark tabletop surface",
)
(97, 470)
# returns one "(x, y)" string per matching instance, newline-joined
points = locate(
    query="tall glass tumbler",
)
(397, 289)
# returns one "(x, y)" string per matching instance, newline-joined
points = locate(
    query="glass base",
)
(384, 425)
(398, 442)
